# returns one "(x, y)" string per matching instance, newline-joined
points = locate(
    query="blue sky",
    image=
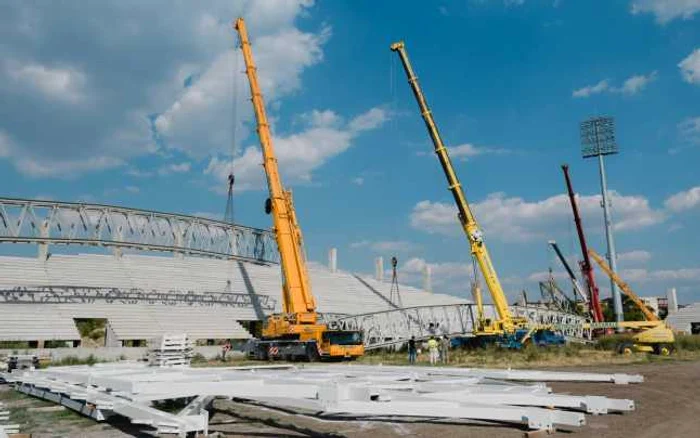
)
(119, 102)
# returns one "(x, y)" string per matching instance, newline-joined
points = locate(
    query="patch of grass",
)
(688, 342)
(75, 360)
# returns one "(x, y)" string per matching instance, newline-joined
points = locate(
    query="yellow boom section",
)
(466, 218)
(297, 299)
(649, 315)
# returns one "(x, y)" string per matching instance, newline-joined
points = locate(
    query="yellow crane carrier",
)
(505, 329)
(652, 335)
(296, 333)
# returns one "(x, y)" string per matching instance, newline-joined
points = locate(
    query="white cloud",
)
(690, 129)
(132, 189)
(57, 83)
(441, 273)
(667, 10)
(590, 90)
(183, 167)
(181, 68)
(5, 144)
(516, 220)
(683, 201)
(468, 150)
(632, 85)
(634, 257)
(358, 181)
(644, 276)
(690, 67)
(199, 121)
(384, 246)
(299, 154)
(65, 169)
(636, 83)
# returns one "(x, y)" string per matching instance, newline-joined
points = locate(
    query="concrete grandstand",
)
(198, 286)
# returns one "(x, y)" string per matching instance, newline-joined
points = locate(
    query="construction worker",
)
(433, 350)
(225, 349)
(412, 350)
(445, 349)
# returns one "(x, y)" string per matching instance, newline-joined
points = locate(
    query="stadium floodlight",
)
(598, 140)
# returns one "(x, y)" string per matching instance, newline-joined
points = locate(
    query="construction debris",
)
(347, 391)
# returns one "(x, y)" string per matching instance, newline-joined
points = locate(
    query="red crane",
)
(586, 267)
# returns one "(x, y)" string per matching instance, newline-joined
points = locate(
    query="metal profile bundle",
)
(4, 418)
(170, 351)
(336, 391)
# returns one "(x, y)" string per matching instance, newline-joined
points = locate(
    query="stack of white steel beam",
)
(4, 418)
(170, 350)
(348, 391)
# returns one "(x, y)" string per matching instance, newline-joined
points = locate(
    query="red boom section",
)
(586, 267)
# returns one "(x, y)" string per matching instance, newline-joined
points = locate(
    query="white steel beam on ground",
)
(337, 390)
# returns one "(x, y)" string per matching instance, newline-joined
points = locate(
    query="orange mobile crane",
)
(296, 333)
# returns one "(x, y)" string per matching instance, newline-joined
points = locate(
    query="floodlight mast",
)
(597, 140)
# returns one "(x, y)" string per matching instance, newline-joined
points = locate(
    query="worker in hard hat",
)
(445, 349)
(433, 351)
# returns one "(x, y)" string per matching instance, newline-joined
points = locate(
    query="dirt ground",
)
(668, 405)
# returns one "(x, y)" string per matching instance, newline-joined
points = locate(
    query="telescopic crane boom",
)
(572, 276)
(586, 267)
(506, 322)
(648, 314)
(295, 332)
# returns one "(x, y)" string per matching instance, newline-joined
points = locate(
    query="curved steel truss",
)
(396, 326)
(53, 222)
(109, 295)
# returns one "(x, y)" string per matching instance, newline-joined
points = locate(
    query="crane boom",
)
(466, 217)
(648, 314)
(572, 276)
(297, 299)
(586, 267)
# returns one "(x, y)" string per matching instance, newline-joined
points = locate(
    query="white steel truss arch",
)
(68, 223)
(397, 326)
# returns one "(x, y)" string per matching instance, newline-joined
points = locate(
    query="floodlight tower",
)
(597, 140)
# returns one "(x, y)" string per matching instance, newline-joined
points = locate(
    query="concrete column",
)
(43, 248)
(333, 260)
(672, 300)
(427, 278)
(379, 269)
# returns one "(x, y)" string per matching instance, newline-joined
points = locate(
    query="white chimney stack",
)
(427, 280)
(672, 300)
(333, 260)
(379, 268)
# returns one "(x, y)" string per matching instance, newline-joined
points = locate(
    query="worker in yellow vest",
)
(433, 350)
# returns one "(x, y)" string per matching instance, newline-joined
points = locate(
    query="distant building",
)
(686, 319)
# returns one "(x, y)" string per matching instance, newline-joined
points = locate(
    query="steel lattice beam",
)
(53, 222)
(89, 295)
(398, 325)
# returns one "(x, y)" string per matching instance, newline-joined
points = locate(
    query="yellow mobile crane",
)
(652, 335)
(296, 333)
(509, 330)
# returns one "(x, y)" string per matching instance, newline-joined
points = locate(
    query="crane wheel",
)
(663, 349)
(312, 352)
(625, 348)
